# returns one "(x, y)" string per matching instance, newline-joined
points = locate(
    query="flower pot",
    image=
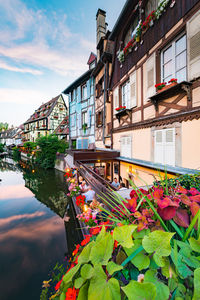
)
(167, 87)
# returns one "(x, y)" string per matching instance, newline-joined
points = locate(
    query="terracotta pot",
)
(167, 87)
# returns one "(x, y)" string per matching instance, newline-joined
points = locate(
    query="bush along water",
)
(147, 247)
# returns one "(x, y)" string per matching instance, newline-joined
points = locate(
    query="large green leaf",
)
(69, 276)
(83, 293)
(112, 267)
(101, 234)
(181, 267)
(87, 271)
(195, 244)
(102, 250)
(78, 282)
(123, 235)
(158, 242)
(140, 291)
(162, 290)
(141, 261)
(102, 289)
(84, 257)
(196, 295)
(166, 268)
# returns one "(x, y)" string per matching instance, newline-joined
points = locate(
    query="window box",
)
(43, 125)
(171, 91)
(167, 87)
(123, 112)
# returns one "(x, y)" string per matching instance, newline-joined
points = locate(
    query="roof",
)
(129, 5)
(63, 128)
(78, 82)
(44, 110)
(92, 58)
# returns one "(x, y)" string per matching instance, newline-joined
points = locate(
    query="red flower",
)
(85, 241)
(58, 285)
(95, 230)
(76, 250)
(71, 294)
(80, 200)
(132, 204)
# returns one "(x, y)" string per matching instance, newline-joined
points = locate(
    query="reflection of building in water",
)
(48, 187)
(8, 163)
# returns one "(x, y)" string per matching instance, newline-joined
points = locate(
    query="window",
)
(99, 118)
(73, 120)
(84, 92)
(173, 60)
(126, 94)
(125, 146)
(150, 6)
(164, 142)
(130, 32)
(84, 117)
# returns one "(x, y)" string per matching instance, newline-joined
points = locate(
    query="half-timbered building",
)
(45, 119)
(156, 42)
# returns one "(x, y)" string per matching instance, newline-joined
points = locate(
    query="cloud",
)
(21, 96)
(39, 39)
(5, 66)
(17, 191)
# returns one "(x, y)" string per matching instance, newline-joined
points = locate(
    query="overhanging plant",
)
(84, 126)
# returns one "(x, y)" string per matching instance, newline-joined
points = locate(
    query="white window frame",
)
(125, 94)
(164, 145)
(172, 44)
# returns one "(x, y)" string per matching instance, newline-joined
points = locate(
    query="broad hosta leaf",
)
(158, 242)
(83, 293)
(102, 250)
(78, 282)
(87, 271)
(102, 289)
(69, 276)
(140, 291)
(84, 257)
(196, 295)
(195, 244)
(112, 267)
(162, 290)
(141, 261)
(123, 235)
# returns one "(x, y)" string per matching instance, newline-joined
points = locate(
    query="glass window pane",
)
(167, 69)
(181, 75)
(181, 61)
(167, 55)
(181, 44)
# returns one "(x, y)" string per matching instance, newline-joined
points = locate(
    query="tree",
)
(3, 126)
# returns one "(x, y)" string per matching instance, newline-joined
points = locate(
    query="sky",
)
(44, 46)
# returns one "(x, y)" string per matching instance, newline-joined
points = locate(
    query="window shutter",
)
(169, 153)
(133, 90)
(159, 147)
(89, 116)
(116, 97)
(125, 149)
(79, 121)
(79, 94)
(150, 76)
(193, 34)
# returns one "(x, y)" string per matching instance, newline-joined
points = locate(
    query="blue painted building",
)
(81, 95)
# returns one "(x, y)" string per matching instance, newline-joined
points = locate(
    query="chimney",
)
(101, 24)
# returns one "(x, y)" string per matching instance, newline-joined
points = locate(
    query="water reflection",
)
(32, 237)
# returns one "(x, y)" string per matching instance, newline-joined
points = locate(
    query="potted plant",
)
(172, 82)
(84, 126)
(160, 86)
(118, 109)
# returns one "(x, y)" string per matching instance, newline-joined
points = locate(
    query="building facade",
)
(45, 119)
(155, 42)
(81, 109)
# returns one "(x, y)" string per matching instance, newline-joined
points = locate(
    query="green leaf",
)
(140, 234)
(69, 276)
(158, 242)
(123, 235)
(101, 234)
(162, 290)
(140, 261)
(78, 282)
(195, 244)
(140, 291)
(87, 271)
(191, 226)
(196, 295)
(112, 267)
(172, 283)
(84, 257)
(83, 293)
(181, 267)
(103, 288)
(102, 250)
(62, 296)
(165, 269)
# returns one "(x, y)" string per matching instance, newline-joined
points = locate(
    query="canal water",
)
(34, 235)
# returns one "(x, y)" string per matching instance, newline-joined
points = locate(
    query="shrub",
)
(1, 148)
(16, 154)
(186, 181)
